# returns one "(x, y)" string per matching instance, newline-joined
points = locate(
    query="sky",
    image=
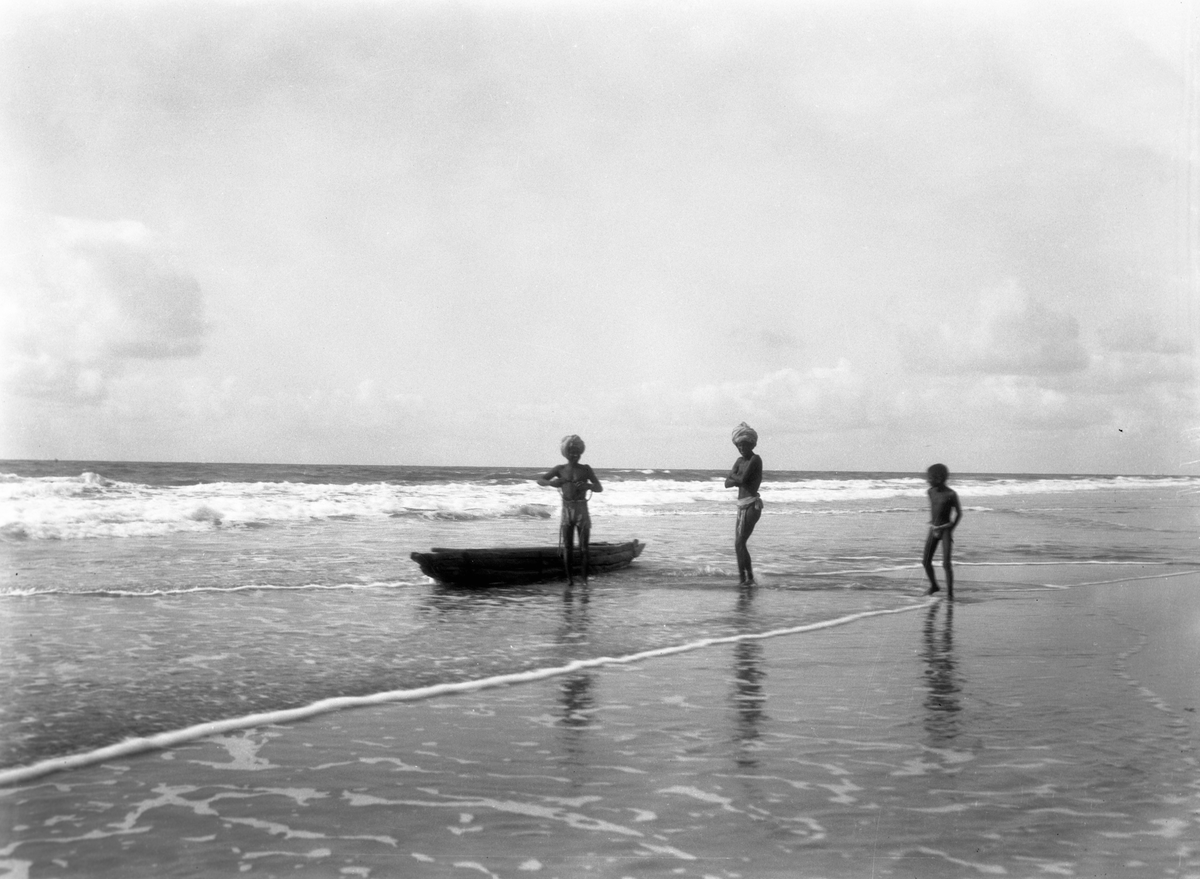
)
(449, 233)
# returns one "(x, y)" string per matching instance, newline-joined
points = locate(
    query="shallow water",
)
(1015, 736)
(148, 598)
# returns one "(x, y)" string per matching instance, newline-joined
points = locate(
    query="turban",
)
(745, 432)
(571, 442)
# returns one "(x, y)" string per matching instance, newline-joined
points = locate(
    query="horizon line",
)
(542, 466)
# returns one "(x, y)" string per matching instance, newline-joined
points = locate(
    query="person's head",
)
(572, 447)
(745, 438)
(937, 474)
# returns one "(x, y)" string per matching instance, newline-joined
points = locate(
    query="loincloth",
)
(575, 514)
(937, 533)
(749, 509)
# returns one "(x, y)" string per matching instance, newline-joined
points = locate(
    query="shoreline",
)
(20, 774)
(133, 747)
(1050, 731)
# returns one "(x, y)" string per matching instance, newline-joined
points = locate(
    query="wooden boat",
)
(511, 566)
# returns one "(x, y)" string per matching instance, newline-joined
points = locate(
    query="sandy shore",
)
(1049, 733)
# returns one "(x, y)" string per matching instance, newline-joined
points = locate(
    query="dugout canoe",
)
(516, 565)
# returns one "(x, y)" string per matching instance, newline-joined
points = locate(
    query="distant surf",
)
(104, 502)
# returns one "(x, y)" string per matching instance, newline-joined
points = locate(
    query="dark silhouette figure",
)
(943, 501)
(746, 475)
(574, 481)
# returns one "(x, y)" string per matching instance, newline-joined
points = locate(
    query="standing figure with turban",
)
(574, 481)
(746, 476)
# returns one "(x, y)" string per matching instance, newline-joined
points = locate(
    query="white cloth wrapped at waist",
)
(752, 501)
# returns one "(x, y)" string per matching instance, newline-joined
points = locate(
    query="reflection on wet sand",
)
(748, 675)
(941, 676)
(576, 698)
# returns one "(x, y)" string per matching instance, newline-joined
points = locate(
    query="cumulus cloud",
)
(785, 399)
(1139, 333)
(1009, 333)
(1145, 358)
(1138, 372)
(1020, 401)
(83, 299)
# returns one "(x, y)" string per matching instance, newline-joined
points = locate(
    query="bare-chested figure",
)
(943, 500)
(574, 480)
(746, 475)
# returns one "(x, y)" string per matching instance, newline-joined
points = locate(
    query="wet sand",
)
(1042, 733)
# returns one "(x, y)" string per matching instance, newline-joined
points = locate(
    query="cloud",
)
(1130, 373)
(1008, 334)
(83, 299)
(785, 400)
(1138, 332)
(1019, 401)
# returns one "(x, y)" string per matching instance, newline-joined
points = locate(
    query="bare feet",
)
(933, 589)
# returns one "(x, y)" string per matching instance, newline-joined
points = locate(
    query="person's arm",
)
(749, 478)
(956, 508)
(551, 477)
(752, 478)
(593, 481)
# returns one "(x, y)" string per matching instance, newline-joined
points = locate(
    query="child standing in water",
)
(942, 501)
(746, 475)
(575, 480)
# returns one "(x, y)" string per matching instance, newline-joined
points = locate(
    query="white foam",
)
(986, 869)
(16, 869)
(91, 506)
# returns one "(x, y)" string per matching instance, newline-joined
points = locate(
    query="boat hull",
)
(513, 566)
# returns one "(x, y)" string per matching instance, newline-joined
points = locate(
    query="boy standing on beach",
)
(574, 480)
(746, 475)
(942, 500)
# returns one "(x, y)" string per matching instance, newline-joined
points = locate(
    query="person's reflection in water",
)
(941, 677)
(575, 690)
(748, 674)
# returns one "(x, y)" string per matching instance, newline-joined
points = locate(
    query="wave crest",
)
(92, 506)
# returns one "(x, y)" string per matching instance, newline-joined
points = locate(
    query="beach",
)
(248, 676)
(1042, 735)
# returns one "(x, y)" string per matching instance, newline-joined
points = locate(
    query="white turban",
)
(745, 432)
(571, 442)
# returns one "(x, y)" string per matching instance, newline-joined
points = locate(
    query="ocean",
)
(141, 601)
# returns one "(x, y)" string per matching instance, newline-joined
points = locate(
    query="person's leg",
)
(931, 542)
(585, 537)
(747, 518)
(739, 545)
(567, 537)
(947, 545)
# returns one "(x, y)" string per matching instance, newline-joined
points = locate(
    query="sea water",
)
(141, 599)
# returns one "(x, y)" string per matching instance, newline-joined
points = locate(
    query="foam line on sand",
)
(21, 774)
